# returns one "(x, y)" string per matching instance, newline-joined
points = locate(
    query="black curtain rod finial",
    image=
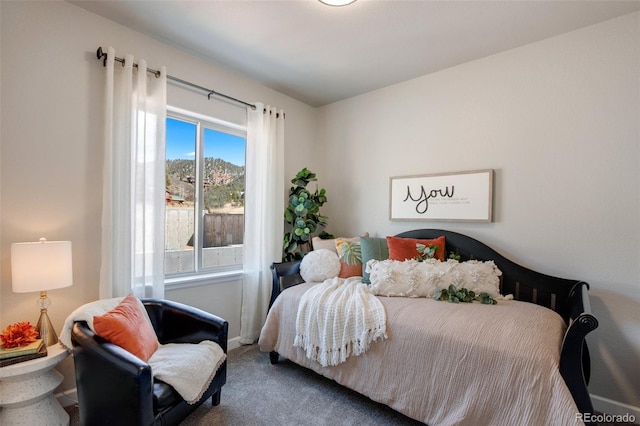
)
(101, 55)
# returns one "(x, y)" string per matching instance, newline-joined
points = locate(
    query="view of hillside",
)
(223, 182)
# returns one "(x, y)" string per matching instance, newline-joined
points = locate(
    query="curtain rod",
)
(102, 55)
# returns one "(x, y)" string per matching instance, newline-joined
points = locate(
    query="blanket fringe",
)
(335, 356)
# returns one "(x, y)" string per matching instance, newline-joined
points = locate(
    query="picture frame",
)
(461, 196)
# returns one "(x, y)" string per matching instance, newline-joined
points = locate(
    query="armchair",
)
(116, 387)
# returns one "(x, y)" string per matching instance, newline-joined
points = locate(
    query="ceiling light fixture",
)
(337, 2)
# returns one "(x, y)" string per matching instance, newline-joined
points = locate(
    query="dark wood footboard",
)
(575, 365)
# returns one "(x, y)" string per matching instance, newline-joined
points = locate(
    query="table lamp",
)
(41, 266)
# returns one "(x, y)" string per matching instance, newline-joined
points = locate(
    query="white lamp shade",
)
(41, 266)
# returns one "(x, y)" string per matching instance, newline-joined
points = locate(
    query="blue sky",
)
(181, 138)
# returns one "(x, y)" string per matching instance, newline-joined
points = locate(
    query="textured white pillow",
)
(319, 265)
(411, 278)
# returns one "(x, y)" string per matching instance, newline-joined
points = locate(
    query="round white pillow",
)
(319, 265)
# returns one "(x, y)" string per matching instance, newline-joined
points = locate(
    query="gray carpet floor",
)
(258, 393)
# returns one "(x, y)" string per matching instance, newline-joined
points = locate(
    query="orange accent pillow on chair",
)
(128, 326)
(405, 248)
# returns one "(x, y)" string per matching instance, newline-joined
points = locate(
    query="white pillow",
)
(411, 278)
(319, 265)
(330, 244)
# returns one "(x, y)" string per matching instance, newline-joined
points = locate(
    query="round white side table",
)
(26, 391)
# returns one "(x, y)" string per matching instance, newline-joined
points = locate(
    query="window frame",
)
(203, 275)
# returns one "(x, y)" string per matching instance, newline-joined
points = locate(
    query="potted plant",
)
(303, 216)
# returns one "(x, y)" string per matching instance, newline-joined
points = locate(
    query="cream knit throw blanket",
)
(337, 318)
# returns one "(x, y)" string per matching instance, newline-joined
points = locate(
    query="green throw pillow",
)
(372, 248)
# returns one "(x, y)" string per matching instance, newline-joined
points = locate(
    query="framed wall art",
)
(462, 196)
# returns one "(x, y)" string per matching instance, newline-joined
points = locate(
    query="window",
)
(205, 176)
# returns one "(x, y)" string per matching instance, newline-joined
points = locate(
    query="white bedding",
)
(449, 364)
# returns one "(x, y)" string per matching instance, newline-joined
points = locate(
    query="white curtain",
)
(134, 181)
(264, 210)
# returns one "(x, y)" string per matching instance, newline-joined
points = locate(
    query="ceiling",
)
(320, 54)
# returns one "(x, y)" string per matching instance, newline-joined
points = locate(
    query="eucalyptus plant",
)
(303, 216)
(455, 295)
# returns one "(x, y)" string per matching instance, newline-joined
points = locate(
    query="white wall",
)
(51, 149)
(558, 120)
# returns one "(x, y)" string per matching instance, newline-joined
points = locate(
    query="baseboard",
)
(67, 398)
(233, 343)
(609, 406)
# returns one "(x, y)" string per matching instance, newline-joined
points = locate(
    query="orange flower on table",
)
(18, 334)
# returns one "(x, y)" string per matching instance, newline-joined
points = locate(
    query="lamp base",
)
(45, 328)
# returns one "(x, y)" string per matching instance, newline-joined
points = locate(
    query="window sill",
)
(175, 283)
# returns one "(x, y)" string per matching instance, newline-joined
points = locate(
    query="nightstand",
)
(26, 391)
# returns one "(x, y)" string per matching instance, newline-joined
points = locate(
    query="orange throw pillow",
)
(405, 248)
(128, 326)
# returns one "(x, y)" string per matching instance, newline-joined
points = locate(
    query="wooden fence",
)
(220, 229)
(223, 229)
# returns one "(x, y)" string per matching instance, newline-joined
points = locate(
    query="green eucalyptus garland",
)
(454, 295)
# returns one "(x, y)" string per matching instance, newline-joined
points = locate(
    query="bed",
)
(536, 374)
